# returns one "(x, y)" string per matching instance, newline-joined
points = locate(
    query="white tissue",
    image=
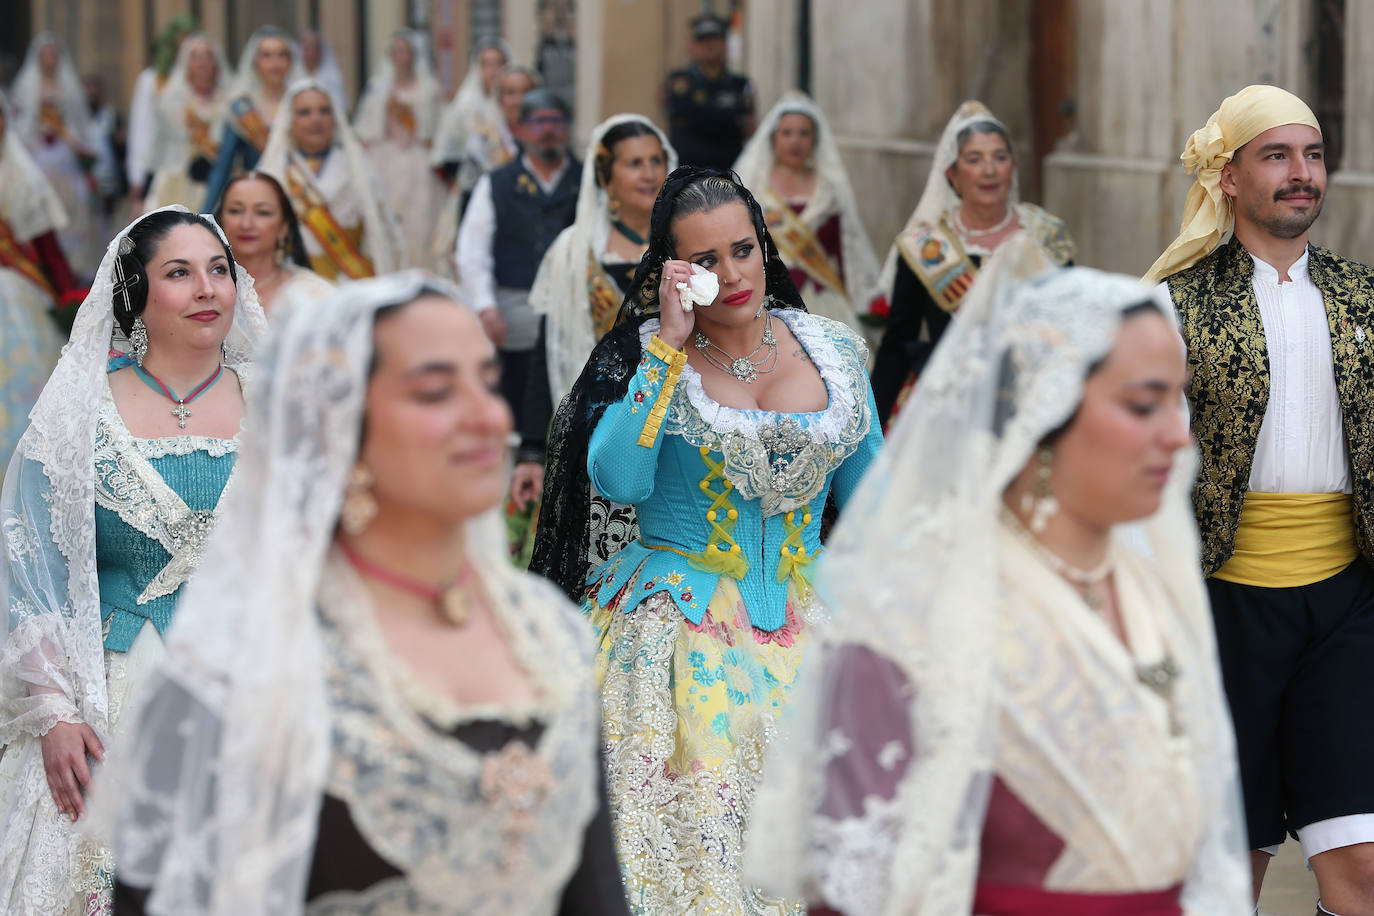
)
(701, 289)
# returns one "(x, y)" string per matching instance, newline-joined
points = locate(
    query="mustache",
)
(1306, 190)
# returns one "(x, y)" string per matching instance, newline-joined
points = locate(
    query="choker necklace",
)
(449, 600)
(745, 368)
(181, 411)
(629, 233)
(991, 230)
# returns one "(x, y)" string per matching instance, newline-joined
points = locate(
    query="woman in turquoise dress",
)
(729, 460)
(106, 505)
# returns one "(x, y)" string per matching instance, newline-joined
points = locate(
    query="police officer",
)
(710, 110)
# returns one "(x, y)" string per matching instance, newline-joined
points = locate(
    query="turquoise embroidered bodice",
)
(723, 491)
(155, 499)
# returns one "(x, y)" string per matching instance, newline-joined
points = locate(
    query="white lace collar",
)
(162, 446)
(815, 334)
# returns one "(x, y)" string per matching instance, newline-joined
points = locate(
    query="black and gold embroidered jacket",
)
(1228, 391)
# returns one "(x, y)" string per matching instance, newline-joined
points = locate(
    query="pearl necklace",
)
(962, 229)
(1083, 581)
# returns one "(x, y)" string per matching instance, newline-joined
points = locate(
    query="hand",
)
(494, 323)
(526, 483)
(64, 759)
(675, 324)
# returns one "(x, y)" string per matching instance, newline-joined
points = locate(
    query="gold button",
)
(806, 519)
(704, 451)
(711, 515)
(732, 515)
(728, 485)
(784, 550)
(790, 516)
(734, 548)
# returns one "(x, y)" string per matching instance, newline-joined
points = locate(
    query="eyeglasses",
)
(547, 121)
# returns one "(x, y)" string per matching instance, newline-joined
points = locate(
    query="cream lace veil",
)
(246, 80)
(938, 196)
(469, 105)
(52, 665)
(369, 120)
(218, 794)
(833, 191)
(381, 232)
(912, 573)
(560, 286)
(27, 94)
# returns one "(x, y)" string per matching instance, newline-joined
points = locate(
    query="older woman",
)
(726, 427)
(1017, 709)
(395, 120)
(396, 721)
(349, 227)
(190, 113)
(265, 68)
(105, 510)
(793, 163)
(266, 237)
(968, 208)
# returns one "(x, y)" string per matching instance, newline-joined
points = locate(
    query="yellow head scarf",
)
(1207, 214)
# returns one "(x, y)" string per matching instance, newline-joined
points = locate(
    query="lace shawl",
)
(913, 573)
(560, 547)
(217, 795)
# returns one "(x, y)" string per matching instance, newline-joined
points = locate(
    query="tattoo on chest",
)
(800, 353)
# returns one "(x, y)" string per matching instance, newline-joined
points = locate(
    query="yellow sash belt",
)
(1290, 539)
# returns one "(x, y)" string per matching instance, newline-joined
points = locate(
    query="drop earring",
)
(138, 340)
(359, 505)
(1038, 502)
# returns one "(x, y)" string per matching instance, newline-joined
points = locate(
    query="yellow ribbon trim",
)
(1290, 539)
(675, 359)
(795, 559)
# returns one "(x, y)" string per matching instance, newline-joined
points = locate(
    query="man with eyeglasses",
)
(513, 217)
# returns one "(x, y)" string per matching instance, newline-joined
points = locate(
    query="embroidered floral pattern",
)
(1228, 390)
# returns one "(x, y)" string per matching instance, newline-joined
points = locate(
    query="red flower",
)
(639, 396)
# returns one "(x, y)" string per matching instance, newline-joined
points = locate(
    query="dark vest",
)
(1228, 359)
(528, 220)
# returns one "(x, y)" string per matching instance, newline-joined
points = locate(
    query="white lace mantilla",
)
(781, 459)
(500, 832)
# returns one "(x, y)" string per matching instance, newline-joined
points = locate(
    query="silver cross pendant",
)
(181, 412)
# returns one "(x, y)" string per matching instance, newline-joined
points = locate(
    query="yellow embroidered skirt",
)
(688, 710)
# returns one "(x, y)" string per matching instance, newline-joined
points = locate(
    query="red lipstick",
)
(738, 298)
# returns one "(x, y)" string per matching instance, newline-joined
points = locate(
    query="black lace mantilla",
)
(560, 547)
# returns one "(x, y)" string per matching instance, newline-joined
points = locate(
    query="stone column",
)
(1347, 221)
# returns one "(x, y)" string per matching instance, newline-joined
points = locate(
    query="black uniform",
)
(707, 118)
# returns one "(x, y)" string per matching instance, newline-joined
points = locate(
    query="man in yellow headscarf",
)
(1280, 337)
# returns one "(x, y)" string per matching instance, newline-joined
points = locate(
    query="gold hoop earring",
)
(359, 506)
